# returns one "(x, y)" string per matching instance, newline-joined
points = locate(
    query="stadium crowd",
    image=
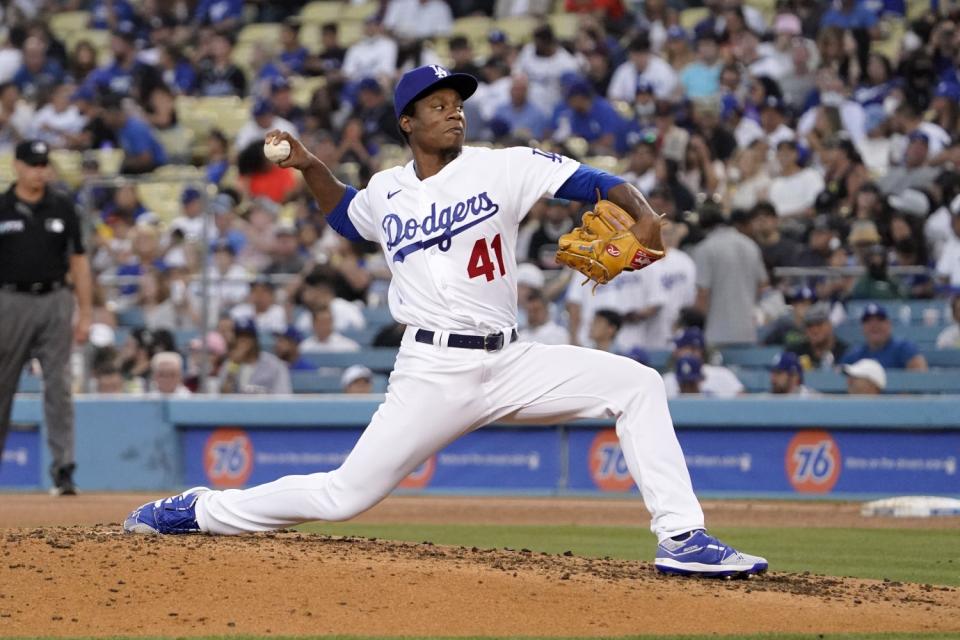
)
(800, 134)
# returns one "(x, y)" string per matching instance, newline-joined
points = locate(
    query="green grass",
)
(898, 554)
(765, 636)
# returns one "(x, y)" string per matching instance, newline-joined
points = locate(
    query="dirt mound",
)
(94, 581)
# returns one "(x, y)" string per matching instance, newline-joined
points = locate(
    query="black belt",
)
(36, 288)
(489, 342)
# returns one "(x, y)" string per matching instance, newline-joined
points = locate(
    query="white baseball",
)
(277, 151)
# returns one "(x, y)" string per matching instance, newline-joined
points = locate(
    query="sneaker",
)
(63, 481)
(700, 554)
(175, 514)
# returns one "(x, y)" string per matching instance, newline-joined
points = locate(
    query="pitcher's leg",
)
(558, 383)
(412, 424)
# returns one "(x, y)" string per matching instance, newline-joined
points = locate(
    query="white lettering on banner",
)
(292, 458)
(19, 457)
(947, 466)
(743, 461)
(529, 460)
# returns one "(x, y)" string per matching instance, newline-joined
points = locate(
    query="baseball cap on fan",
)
(419, 82)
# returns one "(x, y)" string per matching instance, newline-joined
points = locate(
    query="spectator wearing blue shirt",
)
(293, 55)
(223, 15)
(880, 345)
(125, 76)
(879, 82)
(142, 151)
(38, 73)
(218, 156)
(701, 78)
(849, 15)
(519, 117)
(588, 116)
(111, 14)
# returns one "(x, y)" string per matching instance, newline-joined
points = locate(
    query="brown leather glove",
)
(603, 245)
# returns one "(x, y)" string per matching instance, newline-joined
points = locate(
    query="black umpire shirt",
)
(37, 240)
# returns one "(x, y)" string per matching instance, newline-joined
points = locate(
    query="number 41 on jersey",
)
(480, 263)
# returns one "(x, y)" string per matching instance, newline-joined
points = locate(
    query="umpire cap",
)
(35, 153)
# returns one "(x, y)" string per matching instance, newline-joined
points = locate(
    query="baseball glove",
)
(604, 245)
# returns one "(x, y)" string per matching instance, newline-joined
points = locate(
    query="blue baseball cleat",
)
(700, 554)
(175, 514)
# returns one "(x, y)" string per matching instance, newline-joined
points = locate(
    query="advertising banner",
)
(807, 461)
(493, 459)
(20, 466)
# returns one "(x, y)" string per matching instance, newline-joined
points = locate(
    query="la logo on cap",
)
(440, 71)
(39, 147)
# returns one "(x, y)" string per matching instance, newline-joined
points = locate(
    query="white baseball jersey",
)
(450, 239)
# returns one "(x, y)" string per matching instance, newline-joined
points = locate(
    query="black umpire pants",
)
(39, 326)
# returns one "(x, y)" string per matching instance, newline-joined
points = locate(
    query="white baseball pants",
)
(437, 394)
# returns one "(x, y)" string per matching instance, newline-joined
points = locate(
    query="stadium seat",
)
(110, 161)
(379, 359)
(162, 198)
(30, 384)
(319, 12)
(181, 172)
(313, 382)
(65, 23)
(924, 336)
(131, 317)
(564, 25)
(99, 38)
(518, 28)
(359, 12)
(178, 142)
(68, 166)
(6, 168)
(610, 164)
(755, 356)
(690, 17)
(475, 28)
(351, 32)
(946, 358)
(303, 89)
(927, 312)
(260, 32)
(379, 316)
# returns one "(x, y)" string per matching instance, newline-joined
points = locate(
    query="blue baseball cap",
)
(369, 84)
(689, 369)
(916, 134)
(676, 32)
(644, 86)
(279, 83)
(579, 87)
(690, 337)
(419, 82)
(290, 333)
(873, 310)
(787, 361)
(245, 326)
(496, 36)
(189, 195)
(802, 294)
(262, 106)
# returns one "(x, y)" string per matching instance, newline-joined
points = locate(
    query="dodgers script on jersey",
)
(450, 240)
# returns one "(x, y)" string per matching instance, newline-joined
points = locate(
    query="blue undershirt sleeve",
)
(340, 221)
(585, 181)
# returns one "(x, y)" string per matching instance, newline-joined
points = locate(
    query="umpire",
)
(40, 244)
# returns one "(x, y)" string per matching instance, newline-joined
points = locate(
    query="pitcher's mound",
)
(93, 581)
